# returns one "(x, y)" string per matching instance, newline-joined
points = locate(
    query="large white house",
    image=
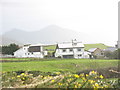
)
(31, 51)
(71, 50)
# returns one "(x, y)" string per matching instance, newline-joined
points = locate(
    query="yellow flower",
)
(91, 81)
(41, 76)
(23, 78)
(3, 72)
(44, 78)
(23, 74)
(57, 72)
(50, 77)
(13, 77)
(75, 86)
(105, 86)
(60, 84)
(82, 74)
(83, 79)
(92, 72)
(96, 84)
(86, 75)
(95, 77)
(18, 76)
(79, 84)
(76, 76)
(101, 76)
(53, 81)
(70, 79)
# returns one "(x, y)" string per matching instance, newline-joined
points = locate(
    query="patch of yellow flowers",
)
(68, 80)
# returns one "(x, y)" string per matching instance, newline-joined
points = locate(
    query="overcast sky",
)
(97, 17)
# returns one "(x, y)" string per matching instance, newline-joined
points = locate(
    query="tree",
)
(112, 55)
(10, 49)
(119, 53)
(108, 54)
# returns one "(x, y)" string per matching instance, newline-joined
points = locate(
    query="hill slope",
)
(7, 41)
(48, 35)
(87, 46)
(97, 45)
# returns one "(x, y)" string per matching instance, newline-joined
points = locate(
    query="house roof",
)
(112, 49)
(39, 44)
(70, 45)
(92, 49)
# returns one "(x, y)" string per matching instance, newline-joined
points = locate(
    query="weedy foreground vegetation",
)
(61, 73)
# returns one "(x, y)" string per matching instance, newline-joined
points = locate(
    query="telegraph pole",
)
(118, 43)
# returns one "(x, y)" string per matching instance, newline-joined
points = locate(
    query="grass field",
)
(98, 45)
(15, 58)
(72, 65)
(87, 46)
(58, 73)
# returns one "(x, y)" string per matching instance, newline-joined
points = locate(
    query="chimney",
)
(74, 42)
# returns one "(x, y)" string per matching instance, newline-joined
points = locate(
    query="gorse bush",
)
(57, 80)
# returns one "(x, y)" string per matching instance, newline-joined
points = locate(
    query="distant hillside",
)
(6, 41)
(49, 35)
(51, 48)
(98, 45)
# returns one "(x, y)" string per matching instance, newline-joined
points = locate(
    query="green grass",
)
(15, 58)
(99, 45)
(72, 65)
(87, 46)
(50, 48)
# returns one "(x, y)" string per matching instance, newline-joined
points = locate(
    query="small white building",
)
(35, 51)
(71, 50)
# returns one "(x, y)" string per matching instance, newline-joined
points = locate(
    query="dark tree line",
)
(112, 55)
(10, 49)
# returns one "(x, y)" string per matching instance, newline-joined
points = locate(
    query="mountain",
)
(6, 41)
(48, 35)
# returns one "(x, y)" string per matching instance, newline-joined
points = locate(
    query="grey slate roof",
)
(70, 45)
(92, 49)
(112, 49)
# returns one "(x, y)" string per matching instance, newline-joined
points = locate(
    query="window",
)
(64, 50)
(79, 55)
(71, 50)
(34, 49)
(79, 49)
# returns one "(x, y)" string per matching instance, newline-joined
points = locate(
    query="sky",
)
(97, 17)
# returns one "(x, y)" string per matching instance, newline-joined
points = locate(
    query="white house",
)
(71, 50)
(31, 51)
